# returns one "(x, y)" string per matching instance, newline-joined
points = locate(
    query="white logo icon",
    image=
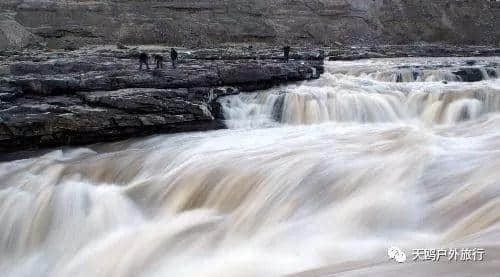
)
(396, 254)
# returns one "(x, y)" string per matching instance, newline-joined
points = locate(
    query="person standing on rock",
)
(173, 56)
(143, 59)
(286, 53)
(158, 60)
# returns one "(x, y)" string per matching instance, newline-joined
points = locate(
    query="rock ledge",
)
(94, 95)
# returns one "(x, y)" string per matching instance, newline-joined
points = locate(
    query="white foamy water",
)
(348, 166)
(371, 91)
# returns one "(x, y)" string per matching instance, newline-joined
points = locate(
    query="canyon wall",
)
(71, 23)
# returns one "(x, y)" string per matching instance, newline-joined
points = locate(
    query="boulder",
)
(470, 74)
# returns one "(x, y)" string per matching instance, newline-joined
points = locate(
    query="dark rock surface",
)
(394, 51)
(71, 23)
(99, 94)
(470, 74)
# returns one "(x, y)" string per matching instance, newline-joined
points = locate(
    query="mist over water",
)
(328, 173)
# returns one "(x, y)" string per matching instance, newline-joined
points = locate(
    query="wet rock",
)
(399, 78)
(492, 73)
(470, 74)
(470, 62)
(278, 108)
(415, 74)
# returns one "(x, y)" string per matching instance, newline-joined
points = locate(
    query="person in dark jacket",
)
(158, 60)
(143, 59)
(286, 53)
(173, 56)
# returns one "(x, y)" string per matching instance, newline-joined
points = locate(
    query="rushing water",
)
(373, 91)
(323, 175)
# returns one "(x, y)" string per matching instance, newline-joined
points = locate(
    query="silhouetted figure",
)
(173, 56)
(286, 53)
(158, 60)
(143, 59)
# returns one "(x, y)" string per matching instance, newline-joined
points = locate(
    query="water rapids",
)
(310, 179)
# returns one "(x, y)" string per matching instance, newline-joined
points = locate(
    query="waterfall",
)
(375, 92)
(406, 164)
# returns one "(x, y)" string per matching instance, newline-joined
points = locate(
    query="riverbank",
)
(54, 98)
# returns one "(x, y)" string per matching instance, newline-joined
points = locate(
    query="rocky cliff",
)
(70, 23)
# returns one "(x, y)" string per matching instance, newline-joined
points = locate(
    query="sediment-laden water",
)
(321, 175)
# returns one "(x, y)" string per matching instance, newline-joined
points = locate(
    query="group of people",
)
(158, 59)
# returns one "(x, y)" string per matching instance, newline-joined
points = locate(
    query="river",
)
(312, 179)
